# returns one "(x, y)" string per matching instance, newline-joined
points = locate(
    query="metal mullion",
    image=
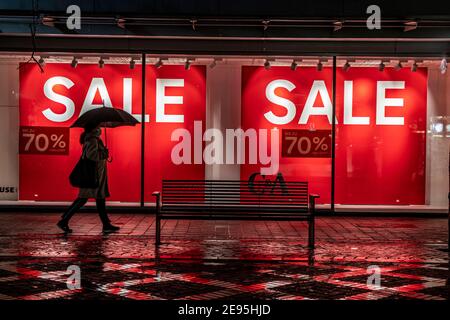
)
(142, 182)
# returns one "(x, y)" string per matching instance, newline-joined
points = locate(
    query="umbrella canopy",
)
(105, 117)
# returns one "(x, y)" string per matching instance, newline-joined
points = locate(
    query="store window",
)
(176, 111)
(232, 118)
(52, 97)
(386, 154)
(290, 109)
(9, 129)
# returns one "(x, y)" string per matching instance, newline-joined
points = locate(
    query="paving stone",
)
(5, 273)
(430, 272)
(258, 296)
(24, 287)
(441, 291)
(319, 290)
(175, 289)
(255, 260)
(94, 295)
(386, 280)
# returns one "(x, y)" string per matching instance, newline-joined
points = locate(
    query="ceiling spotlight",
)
(213, 64)
(193, 24)
(267, 65)
(187, 65)
(414, 67)
(74, 62)
(410, 25)
(338, 25)
(346, 66)
(41, 62)
(398, 66)
(120, 23)
(381, 66)
(294, 65)
(101, 63)
(132, 63)
(443, 66)
(159, 63)
(48, 21)
(319, 66)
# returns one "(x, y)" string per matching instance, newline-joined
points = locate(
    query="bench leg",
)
(311, 231)
(158, 231)
(157, 195)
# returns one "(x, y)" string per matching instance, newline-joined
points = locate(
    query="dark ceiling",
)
(244, 27)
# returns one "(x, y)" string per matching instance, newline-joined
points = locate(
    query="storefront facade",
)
(368, 129)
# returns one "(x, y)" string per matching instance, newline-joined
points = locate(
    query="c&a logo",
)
(260, 184)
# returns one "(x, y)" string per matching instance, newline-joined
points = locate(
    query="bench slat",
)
(234, 200)
(238, 195)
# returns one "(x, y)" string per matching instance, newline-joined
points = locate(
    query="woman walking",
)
(95, 150)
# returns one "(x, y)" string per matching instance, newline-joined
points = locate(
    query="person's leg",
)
(101, 208)
(73, 208)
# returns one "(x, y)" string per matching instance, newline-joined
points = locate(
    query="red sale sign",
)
(56, 98)
(306, 143)
(42, 140)
(178, 101)
(380, 130)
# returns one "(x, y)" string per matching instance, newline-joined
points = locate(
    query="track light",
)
(132, 63)
(213, 64)
(267, 65)
(41, 62)
(410, 25)
(48, 21)
(74, 62)
(346, 66)
(193, 24)
(319, 66)
(398, 66)
(121, 23)
(187, 65)
(101, 63)
(158, 63)
(338, 25)
(293, 65)
(381, 66)
(443, 66)
(414, 67)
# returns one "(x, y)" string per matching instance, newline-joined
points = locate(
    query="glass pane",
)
(383, 154)
(51, 99)
(176, 110)
(290, 109)
(9, 128)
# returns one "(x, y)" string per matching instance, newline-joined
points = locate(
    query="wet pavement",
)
(204, 260)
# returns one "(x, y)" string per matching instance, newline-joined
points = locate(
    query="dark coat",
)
(94, 149)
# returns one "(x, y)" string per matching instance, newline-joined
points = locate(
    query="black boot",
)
(64, 226)
(110, 228)
(101, 208)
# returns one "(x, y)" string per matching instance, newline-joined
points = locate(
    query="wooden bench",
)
(234, 200)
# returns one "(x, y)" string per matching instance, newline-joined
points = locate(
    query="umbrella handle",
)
(110, 159)
(106, 139)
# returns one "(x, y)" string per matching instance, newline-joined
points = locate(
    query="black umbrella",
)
(105, 117)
